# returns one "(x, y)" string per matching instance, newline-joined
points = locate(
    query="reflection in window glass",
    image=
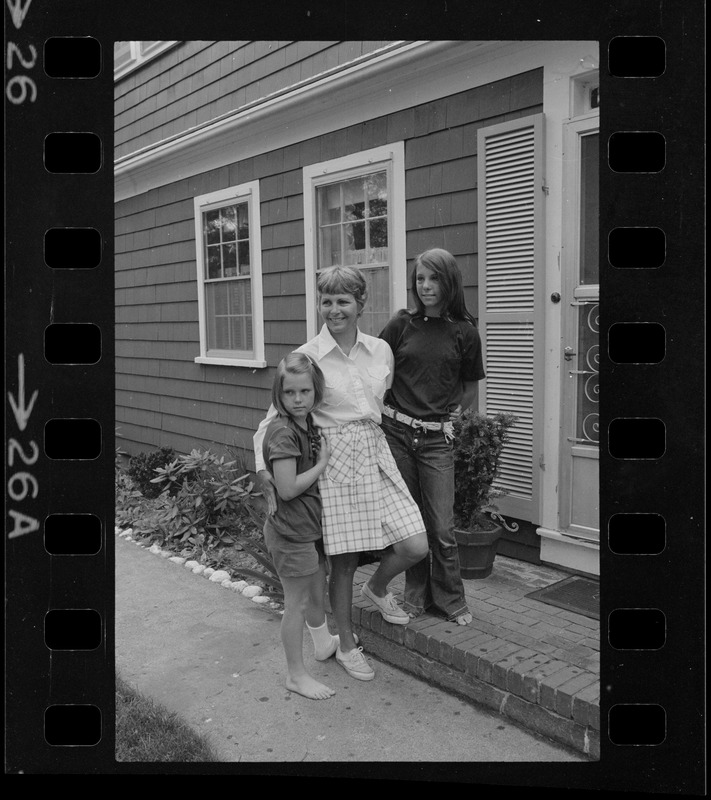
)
(352, 219)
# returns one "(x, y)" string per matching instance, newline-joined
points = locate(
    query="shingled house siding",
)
(195, 82)
(163, 396)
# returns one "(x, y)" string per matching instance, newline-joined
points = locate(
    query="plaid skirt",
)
(366, 504)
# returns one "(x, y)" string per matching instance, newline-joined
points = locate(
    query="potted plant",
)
(479, 441)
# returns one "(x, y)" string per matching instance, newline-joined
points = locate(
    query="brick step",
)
(534, 684)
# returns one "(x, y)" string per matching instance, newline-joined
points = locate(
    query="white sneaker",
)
(331, 649)
(387, 606)
(355, 664)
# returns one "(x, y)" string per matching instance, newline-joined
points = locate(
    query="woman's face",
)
(429, 291)
(340, 312)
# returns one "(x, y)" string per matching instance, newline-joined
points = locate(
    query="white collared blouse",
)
(355, 383)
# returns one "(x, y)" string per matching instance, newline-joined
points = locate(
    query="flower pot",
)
(477, 550)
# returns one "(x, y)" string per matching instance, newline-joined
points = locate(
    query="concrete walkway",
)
(215, 657)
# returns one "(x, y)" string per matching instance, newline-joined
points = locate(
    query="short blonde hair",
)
(297, 364)
(343, 280)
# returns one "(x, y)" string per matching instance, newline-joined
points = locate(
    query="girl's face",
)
(340, 312)
(297, 394)
(429, 290)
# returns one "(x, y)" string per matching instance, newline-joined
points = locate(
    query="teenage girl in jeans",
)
(438, 364)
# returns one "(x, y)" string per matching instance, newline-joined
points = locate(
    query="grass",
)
(146, 731)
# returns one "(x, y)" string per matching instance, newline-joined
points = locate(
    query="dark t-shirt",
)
(298, 519)
(433, 358)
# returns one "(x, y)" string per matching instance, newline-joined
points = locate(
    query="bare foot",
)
(464, 619)
(309, 687)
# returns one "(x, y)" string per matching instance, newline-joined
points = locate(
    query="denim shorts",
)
(293, 559)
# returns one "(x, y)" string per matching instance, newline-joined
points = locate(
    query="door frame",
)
(573, 292)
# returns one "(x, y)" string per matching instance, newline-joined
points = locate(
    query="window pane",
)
(329, 204)
(240, 293)
(355, 243)
(217, 299)
(378, 241)
(377, 309)
(241, 331)
(330, 246)
(229, 224)
(243, 258)
(213, 262)
(589, 206)
(211, 226)
(220, 340)
(242, 221)
(229, 315)
(376, 185)
(229, 260)
(353, 200)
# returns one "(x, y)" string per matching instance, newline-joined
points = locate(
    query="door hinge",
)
(546, 190)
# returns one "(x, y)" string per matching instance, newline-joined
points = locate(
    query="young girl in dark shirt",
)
(297, 454)
(438, 364)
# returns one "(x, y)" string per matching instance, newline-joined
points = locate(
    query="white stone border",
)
(222, 577)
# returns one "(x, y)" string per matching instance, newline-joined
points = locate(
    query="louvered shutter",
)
(510, 222)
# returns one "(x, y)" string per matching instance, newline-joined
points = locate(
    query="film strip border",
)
(636, 342)
(60, 397)
(644, 440)
(59, 377)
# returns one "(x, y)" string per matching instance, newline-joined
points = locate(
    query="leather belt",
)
(446, 427)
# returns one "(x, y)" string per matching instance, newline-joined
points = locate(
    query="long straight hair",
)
(444, 266)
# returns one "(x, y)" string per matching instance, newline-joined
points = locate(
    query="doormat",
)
(577, 594)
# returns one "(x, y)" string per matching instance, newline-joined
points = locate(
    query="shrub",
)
(142, 469)
(129, 501)
(479, 441)
(204, 505)
(207, 504)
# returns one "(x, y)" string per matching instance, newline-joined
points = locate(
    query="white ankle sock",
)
(320, 635)
(322, 639)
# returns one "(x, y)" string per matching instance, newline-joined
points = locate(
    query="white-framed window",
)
(585, 94)
(130, 55)
(354, 214)
(229, 277)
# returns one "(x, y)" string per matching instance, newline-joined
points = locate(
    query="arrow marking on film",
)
(19, 409)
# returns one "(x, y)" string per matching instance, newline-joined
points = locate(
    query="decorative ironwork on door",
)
(588, 374)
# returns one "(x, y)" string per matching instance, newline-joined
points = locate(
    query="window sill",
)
(231, 362)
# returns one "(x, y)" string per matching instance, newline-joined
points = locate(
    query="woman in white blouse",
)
(366, 504)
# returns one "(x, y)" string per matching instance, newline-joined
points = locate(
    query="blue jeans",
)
(426, 464)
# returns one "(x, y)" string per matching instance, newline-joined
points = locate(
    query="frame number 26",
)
(20, 87)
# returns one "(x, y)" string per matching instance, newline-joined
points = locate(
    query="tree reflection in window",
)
(353, 221)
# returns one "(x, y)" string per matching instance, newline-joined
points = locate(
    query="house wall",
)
(195, 82)
(163, 396)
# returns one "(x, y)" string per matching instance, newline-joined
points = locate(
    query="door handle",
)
(569, 353)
